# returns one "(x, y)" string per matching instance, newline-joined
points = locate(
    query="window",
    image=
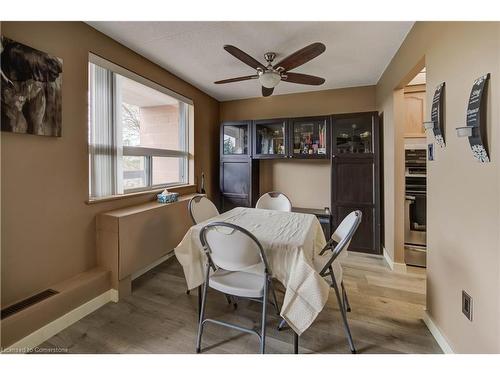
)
(138, 132)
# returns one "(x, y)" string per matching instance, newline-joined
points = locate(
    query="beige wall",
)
(306, 183)
(48, 231)
(463, 195)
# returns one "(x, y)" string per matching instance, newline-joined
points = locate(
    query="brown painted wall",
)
(307, 183)
(48, 231)
(463, 205)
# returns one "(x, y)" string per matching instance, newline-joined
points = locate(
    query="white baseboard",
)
(46, 332)
(135, 275)
(113, 295)
(399, 267)
(394, 266)
(440, 339)
(388, 259)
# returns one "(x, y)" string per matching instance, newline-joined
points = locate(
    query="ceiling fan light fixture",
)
(269, 79)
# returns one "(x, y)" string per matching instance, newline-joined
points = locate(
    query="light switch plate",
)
(430, 151)
(467, 305)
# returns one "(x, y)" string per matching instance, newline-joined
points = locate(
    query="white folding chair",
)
(274, 200)
(327, 264)
(236, 266)
(201, 208)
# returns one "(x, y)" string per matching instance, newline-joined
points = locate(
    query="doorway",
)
(415, 172)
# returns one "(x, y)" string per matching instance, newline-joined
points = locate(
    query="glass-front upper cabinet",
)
(353, 135)
(235, 138)
(310, 137)
(270, 139)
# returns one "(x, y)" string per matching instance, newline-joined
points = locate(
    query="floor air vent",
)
(30, 301)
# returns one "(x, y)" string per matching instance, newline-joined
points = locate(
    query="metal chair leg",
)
(199, 300)
(344, 315)
(295, 343)
(264, 308)
(344, 298)
(201, 317)
(276, 305)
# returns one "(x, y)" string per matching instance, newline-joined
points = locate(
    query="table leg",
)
(295, 343)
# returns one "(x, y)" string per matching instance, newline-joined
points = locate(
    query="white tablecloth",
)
(290, 240)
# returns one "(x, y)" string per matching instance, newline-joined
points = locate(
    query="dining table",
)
(291, 242)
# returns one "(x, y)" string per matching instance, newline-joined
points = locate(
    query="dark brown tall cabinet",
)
(350, 141)
(355, 183)
(239, 173)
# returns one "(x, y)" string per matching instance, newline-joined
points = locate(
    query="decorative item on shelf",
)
(437, 116)
(167, 197)
(476, 119)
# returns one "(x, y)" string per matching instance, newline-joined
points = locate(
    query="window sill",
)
(181, 189)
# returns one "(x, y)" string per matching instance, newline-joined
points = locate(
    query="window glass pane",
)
(270, 139)
(134, 172)
(235, 139)
(149, 117)
(353, 136)
(309, 138)
(124, 115)
(168, 170)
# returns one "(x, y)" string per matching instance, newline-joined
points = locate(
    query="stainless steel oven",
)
(415, 224)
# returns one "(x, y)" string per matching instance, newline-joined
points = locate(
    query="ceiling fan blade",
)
(237, 79)
(304, 79)
(301, 56)
(266, 91)
(244, 57)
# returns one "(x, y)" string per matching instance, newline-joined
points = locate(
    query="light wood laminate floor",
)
(159, 317)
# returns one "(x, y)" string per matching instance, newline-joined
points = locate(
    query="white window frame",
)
(147, 152)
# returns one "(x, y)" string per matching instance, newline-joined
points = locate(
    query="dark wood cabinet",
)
(238, 183)
(355, 176)
(239, 173)
(301, 138)
(350, 141)
(235, 139)
(270, 139)
(309, 137)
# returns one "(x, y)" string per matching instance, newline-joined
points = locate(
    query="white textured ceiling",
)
(356, 52)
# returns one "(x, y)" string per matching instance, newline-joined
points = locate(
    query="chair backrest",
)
(343, 236)
(201, 208)
(274, 200)
(231, 247)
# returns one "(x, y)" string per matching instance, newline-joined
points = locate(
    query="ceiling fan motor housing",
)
(270, 56)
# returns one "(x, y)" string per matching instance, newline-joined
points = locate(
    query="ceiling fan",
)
(270, 75)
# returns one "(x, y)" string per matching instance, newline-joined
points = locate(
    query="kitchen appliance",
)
(415, 224)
